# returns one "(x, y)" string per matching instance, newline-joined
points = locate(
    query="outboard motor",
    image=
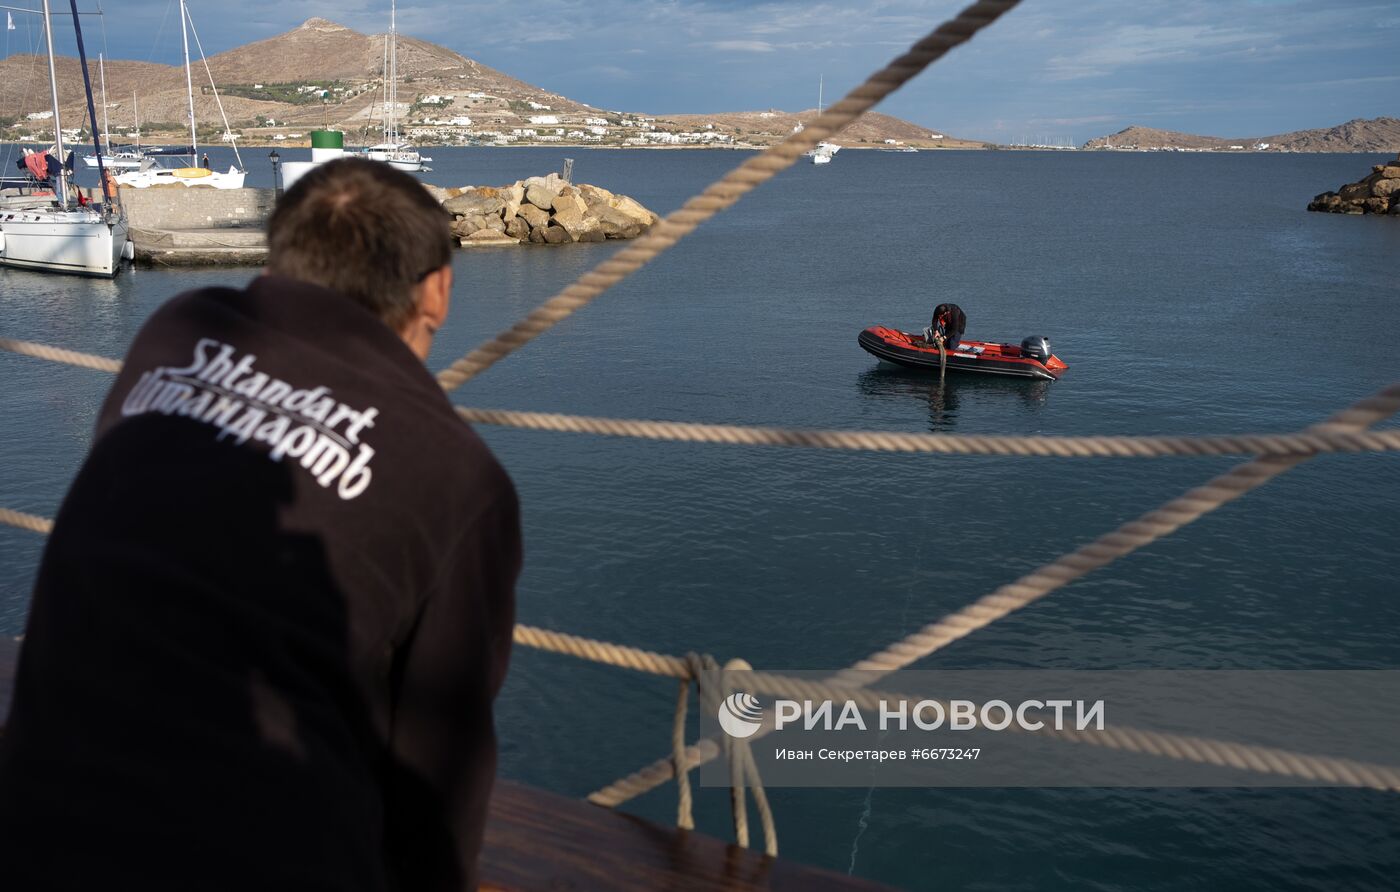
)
(1036, 347)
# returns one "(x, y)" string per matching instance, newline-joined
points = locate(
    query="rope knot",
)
(712, 685)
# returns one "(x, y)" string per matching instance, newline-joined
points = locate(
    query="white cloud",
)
(743, 46)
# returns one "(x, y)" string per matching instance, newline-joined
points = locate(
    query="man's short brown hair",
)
(363, 229)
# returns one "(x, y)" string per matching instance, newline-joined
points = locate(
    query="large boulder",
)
(1356, 190)
(557, 235)
(594, 194)
(553, 182)
(1327, 201)
(576, 222)
(541, 196)
(465, 226)
(633, 208)
(518, 229)
(1391, 171)
(1376, 205)
(616, 224)
(1385, 188)
(537, 235)
(513, 197)
(569, 199)
(537, 218)
(475, 203)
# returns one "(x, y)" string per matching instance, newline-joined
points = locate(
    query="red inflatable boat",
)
(1032, 359)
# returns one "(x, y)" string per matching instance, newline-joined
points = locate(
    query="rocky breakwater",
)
(542, 211)
(1379, 193)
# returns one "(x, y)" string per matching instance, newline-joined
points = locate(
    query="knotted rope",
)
(723, 193)
(743, 772)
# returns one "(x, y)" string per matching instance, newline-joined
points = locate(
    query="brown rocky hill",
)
(1359, 135)
(261, 79)
(872, 128)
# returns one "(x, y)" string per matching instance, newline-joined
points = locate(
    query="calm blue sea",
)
(1188, 293)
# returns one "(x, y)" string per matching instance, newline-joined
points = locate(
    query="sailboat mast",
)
(393, 136)
(136, 118)
(384, 71)
(106, 127)
(57, 123)
(189, 78)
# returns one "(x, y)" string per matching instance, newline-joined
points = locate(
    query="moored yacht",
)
(393, 150)
(150, 173)
(44, 230)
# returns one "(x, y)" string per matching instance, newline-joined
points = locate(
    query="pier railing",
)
(1347, 431)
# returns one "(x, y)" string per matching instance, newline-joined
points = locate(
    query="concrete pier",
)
(181, 226)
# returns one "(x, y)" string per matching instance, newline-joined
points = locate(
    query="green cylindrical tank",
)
(327, 145)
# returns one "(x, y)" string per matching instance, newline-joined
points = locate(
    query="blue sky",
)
(1051, 69)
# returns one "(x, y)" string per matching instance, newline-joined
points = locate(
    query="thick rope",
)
(57, 354)
(725, 192)
(1309, 443)
(1009, 598)
(744, 770)
(1205, 751)
(680, 764)
(1302, 443)
(32, 522)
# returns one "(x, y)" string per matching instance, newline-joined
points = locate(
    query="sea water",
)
(1189, 294)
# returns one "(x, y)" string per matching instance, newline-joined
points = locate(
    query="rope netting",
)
(1346, 432)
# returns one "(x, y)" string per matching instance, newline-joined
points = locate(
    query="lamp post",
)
(276, 160)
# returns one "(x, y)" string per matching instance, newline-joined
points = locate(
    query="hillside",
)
(872, 128)
(1360, 135)
(444, 97)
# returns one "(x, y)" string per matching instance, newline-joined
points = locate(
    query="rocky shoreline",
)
(541, 211)
(1378, 193)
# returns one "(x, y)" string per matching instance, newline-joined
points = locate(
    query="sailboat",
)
(123, 157)
(823, 152)
(393, 150)
(50, 233)
(152, 174)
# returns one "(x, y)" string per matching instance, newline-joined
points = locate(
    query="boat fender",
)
(1036, 347)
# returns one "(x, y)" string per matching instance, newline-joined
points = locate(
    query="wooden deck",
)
(542, 842)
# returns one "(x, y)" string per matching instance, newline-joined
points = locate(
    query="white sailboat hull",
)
(185, 176)
(112, 162)
(77, 241)
(398, 157)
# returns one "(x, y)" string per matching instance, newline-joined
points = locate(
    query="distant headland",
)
(325, 75)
